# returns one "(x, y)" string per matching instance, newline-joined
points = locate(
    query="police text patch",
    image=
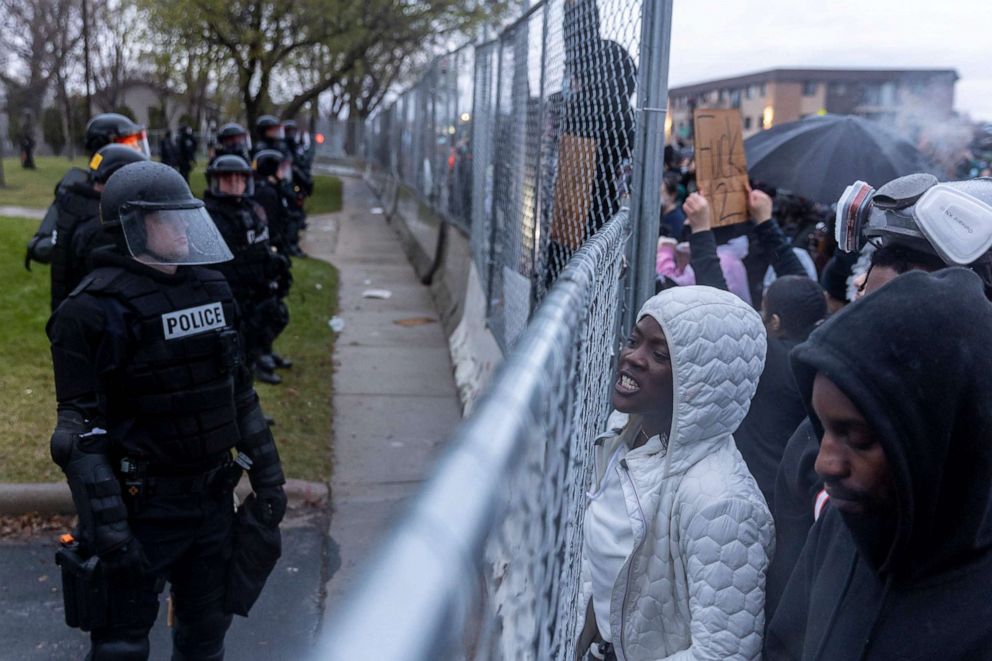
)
(193, 320)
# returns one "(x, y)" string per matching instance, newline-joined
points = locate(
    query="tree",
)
(53, 129)
(269, 42)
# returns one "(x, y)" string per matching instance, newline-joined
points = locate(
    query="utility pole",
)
(86, 58)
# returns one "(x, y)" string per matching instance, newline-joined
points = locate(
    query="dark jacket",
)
(706, 263)
(776, 410)
(793, 504)
(916, 358)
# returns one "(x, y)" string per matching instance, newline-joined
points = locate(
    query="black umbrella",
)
(818, 157)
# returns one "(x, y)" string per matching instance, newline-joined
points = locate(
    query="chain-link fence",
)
(524, 142)
(528, 144)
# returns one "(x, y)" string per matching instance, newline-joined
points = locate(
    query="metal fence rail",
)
(531, 144)
(485, 564)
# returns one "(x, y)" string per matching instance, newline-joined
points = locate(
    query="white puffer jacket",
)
(694, 585)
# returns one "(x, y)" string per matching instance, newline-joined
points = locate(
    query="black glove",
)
(270, 505)
(126, 564)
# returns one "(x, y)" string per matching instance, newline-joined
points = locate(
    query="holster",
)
(257, 548)
(84, 590)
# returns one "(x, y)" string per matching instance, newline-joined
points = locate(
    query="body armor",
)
(73, 207)
(173, 402)
(247, 235)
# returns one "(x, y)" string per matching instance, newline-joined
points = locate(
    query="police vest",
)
(173, 401)
(252, 270)
(74, 205)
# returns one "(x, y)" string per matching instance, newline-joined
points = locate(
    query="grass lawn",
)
(326, 196)
(301, 404)
(34, 188)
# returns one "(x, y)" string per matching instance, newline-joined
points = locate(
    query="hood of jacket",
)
(717, 345)
(916, 360)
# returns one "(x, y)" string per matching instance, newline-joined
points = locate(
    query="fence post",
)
(648, 157)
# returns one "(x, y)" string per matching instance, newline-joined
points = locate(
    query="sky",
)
(712, 39)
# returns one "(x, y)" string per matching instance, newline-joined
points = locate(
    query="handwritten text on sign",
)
(721, 167)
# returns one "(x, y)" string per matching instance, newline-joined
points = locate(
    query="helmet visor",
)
(173, 236)
(240, 143)
(232, 184)
(285, 171)
(137, 141)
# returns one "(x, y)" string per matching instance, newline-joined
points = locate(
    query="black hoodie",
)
(916, 359)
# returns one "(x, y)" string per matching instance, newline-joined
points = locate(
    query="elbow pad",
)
(258, 444)
(81, 452)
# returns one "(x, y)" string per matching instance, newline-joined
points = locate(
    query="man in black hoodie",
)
(898, 566)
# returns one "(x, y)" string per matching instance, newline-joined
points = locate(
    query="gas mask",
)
(952, 220)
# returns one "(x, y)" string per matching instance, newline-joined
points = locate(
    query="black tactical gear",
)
(110, 159)
(233, 139)
(153, 396)
(77, 221)
(229, 164)
(111, 127)
(40, 245)
(72, 209)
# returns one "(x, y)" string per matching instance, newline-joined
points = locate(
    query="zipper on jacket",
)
(626, 590)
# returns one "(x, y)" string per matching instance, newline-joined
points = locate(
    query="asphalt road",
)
(282, 624)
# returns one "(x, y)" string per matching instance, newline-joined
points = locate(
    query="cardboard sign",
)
(573, 189)
(721, 167)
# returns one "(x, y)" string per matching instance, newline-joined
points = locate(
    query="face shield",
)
(172, 236)
(275, 132)
(285, 171)
(137, 141)
(232, 184)
(237, 143)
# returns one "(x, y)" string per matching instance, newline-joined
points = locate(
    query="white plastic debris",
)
(376, 211)
(318, 286)
(377, 293)
(336, 323)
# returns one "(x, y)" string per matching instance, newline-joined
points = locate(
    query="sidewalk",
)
(395, 402)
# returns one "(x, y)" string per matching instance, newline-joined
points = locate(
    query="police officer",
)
(153, 399)
(270, 166)
(186, 149)
(253, 271)
(269, 134)
(232, 138)
(80, 236)
(74, 199)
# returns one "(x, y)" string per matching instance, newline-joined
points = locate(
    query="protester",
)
(799, 497)
(792, 307)
(899, 563)
(27, 152)
(672, 215)
(167, 152)
(677, 535)
(723, 266)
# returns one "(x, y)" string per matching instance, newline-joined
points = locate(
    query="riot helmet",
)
(110, 128)
(291, 131)
(269, 127)
(111, 158)
(230, 176)
(952, 220)
(272, 163)
(232, 138)
(160, 220)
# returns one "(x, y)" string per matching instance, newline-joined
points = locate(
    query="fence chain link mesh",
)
(525, 143)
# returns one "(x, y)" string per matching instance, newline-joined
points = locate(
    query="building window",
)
(749, 91)
(747, 123)
(809, 88)
(762, 90)
(839, 89)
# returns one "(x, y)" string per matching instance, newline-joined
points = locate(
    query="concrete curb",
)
(54, 497)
